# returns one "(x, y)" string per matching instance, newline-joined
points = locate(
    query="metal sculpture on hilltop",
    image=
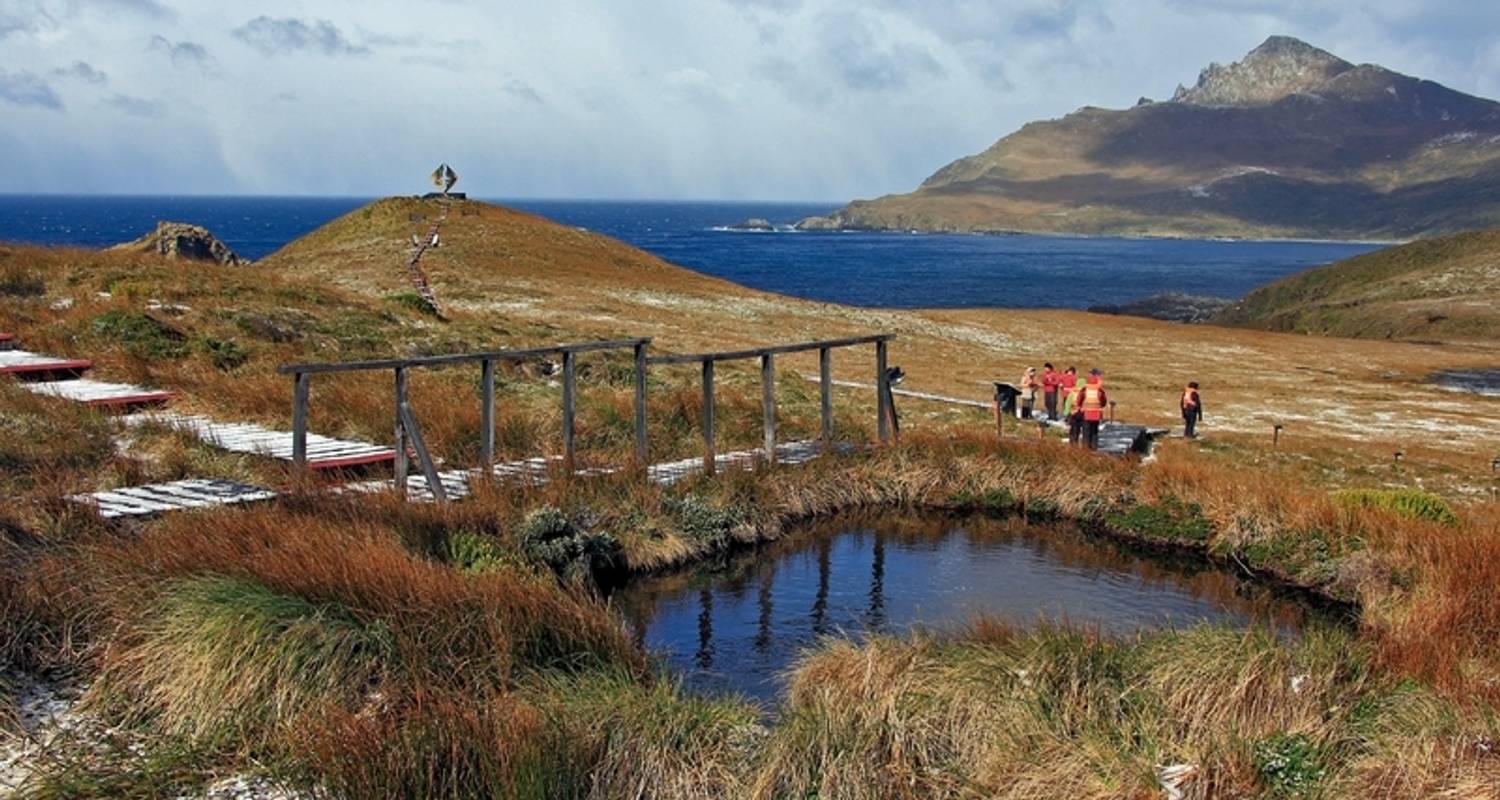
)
(444, 177)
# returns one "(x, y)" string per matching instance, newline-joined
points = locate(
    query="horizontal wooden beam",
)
(735, 355)
(459, 358)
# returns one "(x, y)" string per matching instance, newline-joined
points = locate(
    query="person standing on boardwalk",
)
(1028, 392)
(1091, 403)
(1071, 411)
(1192, 410)
(1051, 380)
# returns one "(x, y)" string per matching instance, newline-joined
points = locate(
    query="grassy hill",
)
(351, 647)
(1446, 288)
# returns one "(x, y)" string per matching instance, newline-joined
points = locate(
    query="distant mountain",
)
(1290, 141)
(1445, 288)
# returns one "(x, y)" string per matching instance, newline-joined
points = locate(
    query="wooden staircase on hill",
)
(414, 271)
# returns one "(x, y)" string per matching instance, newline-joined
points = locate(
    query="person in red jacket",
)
(1051, 380)
(1192, 410)
(1092, 401)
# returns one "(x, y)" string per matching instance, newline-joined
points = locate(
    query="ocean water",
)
(891, 270)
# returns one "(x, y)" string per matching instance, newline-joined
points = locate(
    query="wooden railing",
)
(767, 356)
(409, 433)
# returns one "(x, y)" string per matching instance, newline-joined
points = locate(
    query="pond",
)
(739, 625)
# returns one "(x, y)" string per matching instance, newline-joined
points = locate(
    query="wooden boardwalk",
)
(159, 498)
(323, 452)
(23, 364)
(7, 341)
(99, 394)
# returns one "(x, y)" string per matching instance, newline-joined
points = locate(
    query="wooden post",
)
(882, 392)
(487, 414)
(300, 390)
(424, 458)
(641, 444)
(570, 387)
(768, 405)
(825, 390)
(708, 416)
(399, 465)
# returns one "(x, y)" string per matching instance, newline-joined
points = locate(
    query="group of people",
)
(1082, 403)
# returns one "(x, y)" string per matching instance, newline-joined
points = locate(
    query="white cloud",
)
(658, 98)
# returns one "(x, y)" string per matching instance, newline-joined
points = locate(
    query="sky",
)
(662, 99)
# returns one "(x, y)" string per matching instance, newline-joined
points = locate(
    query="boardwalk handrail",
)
(312, 368)
(885, 410)
(409, 433)
(801, 347)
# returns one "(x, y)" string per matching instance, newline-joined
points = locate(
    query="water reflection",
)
(739, 625)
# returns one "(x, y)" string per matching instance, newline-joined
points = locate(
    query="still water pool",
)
(738, 626)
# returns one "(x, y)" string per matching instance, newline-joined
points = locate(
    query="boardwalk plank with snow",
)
(26, 364)
(99, 394)
(161, 498)
(323, 452)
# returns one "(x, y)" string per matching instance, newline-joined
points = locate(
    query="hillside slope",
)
(1444, 288)
(1291, 141)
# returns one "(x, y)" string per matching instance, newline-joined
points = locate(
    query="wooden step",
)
(160, 498)
(22, 364)
(323, 452)
(98, 394)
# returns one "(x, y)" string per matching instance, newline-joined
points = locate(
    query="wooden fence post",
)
(300, 391)
(768, 405)
(641, 444)
(883, 392)
(487, 414)
(399, 465)
(708, 416)
(570, 388)
(825, 390)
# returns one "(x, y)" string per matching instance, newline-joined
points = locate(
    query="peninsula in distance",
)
(1289, 142)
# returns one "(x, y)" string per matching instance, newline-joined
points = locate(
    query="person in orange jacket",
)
(1092, 401)
(1051, 381)
(1192, 410)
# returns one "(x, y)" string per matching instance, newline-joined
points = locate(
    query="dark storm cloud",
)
(28, 89)
(285, 35)
(81, 71)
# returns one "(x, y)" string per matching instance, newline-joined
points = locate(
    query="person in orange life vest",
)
(1029, 385)
(1073, 413)
(1192, 410)
(1091, 402)
(1051, 380)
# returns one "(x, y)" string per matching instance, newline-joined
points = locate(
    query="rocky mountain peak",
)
(1280, 66)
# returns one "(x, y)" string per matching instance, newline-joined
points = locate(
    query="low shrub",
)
(1412, 503)
(1172, 519)
(567, 545)
(472, 552)
(1290, 765)
(707, 525)
(141, 335)
(414, 302)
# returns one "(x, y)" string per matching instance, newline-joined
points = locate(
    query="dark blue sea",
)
(869, 269)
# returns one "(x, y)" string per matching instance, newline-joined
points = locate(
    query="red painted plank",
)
(131, 399)
(70, 365)
(352, 461)
(7, 337)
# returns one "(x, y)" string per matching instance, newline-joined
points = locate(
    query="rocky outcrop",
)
(1280, 67)
(753, 224)
(1171, 307)
(179, 240)
(1289, 142)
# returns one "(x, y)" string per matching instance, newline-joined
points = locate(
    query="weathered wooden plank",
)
(642, 446)
(414, 433)
(734, 355)
(569, 409)
(301, 387)
(460, 358)
(768, 406)
(399, 466)
(882, 391)
(825, 392)
(487, 412)
(708, 416)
